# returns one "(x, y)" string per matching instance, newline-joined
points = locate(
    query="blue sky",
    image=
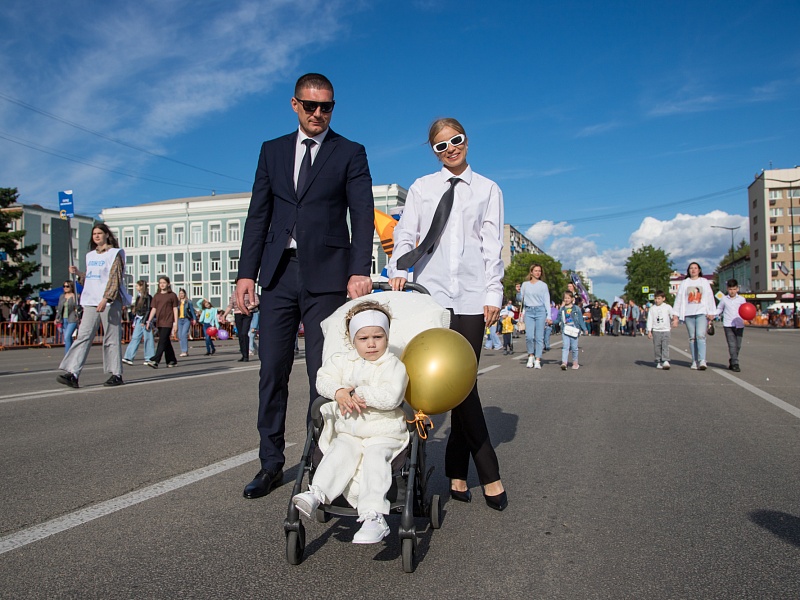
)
(607, 125)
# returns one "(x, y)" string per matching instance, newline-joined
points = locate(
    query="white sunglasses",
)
(456, 140)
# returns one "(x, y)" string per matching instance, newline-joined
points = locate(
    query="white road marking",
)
(487, 369)
(792, 410)
(85, 515)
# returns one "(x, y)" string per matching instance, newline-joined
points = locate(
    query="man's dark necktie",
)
(305, 165)
(408, 260)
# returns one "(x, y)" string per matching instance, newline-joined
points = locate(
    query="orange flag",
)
(384, 225)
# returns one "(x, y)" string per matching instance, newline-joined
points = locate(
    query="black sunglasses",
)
(456, 140)
(310, 106)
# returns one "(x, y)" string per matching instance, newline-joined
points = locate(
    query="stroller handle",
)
(412, 287)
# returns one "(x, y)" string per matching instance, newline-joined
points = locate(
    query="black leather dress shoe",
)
(264, 482)
(498, 502)
(465, 496)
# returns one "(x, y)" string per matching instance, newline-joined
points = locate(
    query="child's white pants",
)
(341, 462)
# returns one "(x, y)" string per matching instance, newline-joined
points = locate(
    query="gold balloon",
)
(442, 370)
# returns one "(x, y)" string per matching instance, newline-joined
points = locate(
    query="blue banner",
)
(66, 208)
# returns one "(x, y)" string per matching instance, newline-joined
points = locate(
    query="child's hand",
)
(349, 401)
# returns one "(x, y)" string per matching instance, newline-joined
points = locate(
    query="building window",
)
(144, 269)
(197, 233)
(755, 202)
(197, 291)
(755, 235)
(178, 235)
(233, 231)
(214, 233)
(127, 238)
(777, 247)
(755, 219)
(144, 238)
(46, 249)
(74, 232)
(776, 264)
(197, 266)
(794, 193)
(178, 266)
(214, 265)
(14, 225)
(775, 212)
(161, 236)
(778, 284)
(233, 264)
(46, 228)
(75, 254)
(775, 194)
(756, 253)
(161, 268)
(216, 289)
(45, 271)
(757, 269)
(776, 229)
(795, 229)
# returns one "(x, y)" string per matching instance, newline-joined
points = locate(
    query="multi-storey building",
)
(54, 237)
(774, 210)
(196, 241)
(515, 243)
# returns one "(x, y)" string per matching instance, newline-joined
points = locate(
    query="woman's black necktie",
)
(408, 260)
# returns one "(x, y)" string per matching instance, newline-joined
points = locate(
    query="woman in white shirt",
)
(460, 264)
(695, 306)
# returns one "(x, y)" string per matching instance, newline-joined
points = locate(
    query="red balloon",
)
(747, 311)
(211, 331)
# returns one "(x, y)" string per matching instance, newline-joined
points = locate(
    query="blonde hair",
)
(440, 124)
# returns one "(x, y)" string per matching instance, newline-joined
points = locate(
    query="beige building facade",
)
(774, 213)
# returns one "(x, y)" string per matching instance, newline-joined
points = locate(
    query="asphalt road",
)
(624, 482)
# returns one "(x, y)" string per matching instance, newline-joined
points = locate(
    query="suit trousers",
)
(469, 435)
(111, 318)
(284, 303)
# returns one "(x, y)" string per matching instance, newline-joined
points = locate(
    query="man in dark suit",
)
(297, 244)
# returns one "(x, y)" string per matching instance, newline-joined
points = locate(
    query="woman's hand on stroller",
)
(398, 283)
(349, 401)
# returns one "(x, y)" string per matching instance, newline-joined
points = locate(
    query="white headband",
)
(368, 318)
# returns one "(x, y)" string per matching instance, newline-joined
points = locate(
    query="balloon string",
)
(422, 421)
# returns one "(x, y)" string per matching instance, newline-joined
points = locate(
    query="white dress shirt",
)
(465, 269)
(299, 152)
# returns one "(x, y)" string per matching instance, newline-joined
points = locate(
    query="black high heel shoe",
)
(465, 496)
(498, 502)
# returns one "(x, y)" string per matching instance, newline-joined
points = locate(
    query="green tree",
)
(650, 267)
(517, 272)
(14, 269)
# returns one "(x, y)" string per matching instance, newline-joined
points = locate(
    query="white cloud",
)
(540, 232)
(142, 73)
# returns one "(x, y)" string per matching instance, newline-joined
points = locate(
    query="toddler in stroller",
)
(364, 454)
(367, 384)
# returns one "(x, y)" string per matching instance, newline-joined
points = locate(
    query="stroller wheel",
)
(436, 512)
(407, 552)
(295, 545)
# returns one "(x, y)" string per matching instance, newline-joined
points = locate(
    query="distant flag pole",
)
(66, 210)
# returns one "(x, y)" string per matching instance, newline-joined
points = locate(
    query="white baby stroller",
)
(412, 313)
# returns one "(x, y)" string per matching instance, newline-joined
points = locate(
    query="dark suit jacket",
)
(339, 180)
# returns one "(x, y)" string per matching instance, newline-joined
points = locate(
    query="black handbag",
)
(711, 330)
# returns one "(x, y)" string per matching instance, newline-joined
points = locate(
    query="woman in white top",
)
(695, 306)
(535, 297)
(462, 269)
(102, 300)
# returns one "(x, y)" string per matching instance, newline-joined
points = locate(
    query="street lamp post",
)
(731, 229)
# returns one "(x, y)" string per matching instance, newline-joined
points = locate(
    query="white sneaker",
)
(529, 364)
(373, 530)
(308, 502)
(576, 366)
(658, 366)
(537, 364)
(127, 362)
(665, 365)
(702, 366)
(694, 366)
